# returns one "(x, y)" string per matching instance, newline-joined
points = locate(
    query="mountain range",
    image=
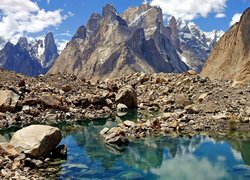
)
(113, 45)
(193, 44)
(30, 58)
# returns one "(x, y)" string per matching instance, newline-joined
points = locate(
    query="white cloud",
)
(190, 9)
(237, 155)
(235, 18)
(220, 15)
(18, 5)
(20, 17)
(61, 44)
(190, 167)
(67, 33)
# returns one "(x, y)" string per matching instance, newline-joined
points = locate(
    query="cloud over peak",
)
(235, 18)
(24, 16)
(191, 9)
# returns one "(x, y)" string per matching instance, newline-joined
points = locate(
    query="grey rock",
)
(36, 140)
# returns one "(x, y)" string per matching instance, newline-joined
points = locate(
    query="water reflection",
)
(198, 157)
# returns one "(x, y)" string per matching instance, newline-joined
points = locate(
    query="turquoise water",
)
(165, 157)
(198, 157)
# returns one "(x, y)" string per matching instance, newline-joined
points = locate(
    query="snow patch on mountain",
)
(195, 44)
(29, 56)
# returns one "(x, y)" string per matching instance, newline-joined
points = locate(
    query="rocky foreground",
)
(187, 102)
(166, 103)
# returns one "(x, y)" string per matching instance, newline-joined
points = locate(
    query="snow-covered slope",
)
(194, 44)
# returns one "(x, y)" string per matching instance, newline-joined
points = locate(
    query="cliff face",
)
(114, 45)
(29, 58)
(230, 59)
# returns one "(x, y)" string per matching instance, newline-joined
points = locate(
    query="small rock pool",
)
(163, 157)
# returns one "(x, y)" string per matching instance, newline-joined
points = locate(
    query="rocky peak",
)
(50, 52)
(111, 16)
(81, 33)
(109, 10)
(29, 57)
(133, 13)
(173, 24)
(8, 45)
(148, 17)
(50, 42)
(23, 42)
(174, 32)
(144, 7)
(93, 22)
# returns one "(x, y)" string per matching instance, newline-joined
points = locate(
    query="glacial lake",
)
(163, 157)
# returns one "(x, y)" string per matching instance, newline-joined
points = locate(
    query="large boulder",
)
(51, 101)
(127, 95)
(8, 100)
(36, 140)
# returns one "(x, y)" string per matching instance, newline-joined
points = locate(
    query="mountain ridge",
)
(29, 58)
(112, 45)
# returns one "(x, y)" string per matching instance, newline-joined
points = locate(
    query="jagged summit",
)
(50, 51)
(193, 44)
(81, 33)
(23, 42)
(110, 15)
(109, 10)
(230, 59)
(93, 22)
(30, 58)
(137, 40)
(120, 45)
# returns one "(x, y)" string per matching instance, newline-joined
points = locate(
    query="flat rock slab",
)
(36, 140)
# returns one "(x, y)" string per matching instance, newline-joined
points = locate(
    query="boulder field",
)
(188, 101)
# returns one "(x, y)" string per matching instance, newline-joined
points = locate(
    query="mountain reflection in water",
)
(199, 157)
(165, 157)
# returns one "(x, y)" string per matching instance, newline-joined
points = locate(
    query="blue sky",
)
(35, 18)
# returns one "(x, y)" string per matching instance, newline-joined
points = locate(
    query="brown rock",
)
(66, 88)
(191, 72)
(21, 83)
(51, 101)
(8, 149)
(127, 95)
(230, 59)
(8, 100)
